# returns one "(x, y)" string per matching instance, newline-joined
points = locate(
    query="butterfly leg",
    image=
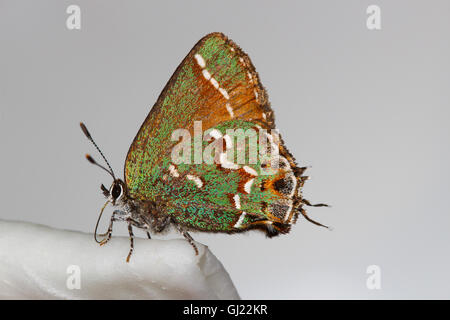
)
(190, 240)
(116, 216)
(130, 231)
(141, 224)
(188, 237)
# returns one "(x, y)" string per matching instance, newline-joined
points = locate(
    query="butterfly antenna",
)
(90, 159)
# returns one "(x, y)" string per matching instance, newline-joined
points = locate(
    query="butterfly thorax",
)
(143, 214)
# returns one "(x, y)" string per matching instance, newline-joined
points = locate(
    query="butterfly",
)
(216, 86)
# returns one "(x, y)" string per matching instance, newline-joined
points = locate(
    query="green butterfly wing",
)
(216, 84)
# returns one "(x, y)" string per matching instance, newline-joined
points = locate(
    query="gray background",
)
(369, 110)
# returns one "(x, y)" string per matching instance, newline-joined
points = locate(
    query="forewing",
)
(216, 82)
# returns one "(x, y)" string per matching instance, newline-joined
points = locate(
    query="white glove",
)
(39, 262)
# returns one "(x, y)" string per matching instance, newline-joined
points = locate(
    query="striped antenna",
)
(89, 158)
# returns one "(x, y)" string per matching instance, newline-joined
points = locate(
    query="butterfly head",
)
(117, 193)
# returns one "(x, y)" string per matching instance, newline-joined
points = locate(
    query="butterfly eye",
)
(116, 191)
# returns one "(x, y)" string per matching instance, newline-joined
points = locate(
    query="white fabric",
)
(39, 262)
